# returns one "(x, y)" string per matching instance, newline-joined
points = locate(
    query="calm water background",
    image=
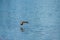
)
(43, 17)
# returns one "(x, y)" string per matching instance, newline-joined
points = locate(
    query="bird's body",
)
(23, 22)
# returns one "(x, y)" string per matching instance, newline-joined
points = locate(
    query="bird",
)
(22, 23)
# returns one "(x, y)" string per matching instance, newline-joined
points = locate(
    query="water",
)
(43, 17)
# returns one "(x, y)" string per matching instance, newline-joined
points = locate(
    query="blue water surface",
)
(43, 17)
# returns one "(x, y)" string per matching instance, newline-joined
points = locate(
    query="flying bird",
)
(23, 22)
